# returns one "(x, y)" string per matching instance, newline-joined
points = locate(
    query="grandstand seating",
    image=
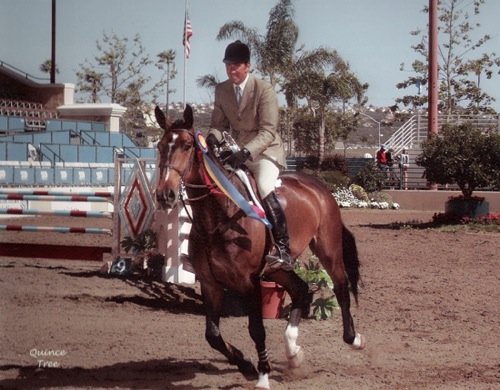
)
(35, 115)
(65, 152)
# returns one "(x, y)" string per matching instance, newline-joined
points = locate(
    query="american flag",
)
(188, 32)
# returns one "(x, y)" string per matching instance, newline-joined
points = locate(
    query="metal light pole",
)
(376, 121)
(53, 43)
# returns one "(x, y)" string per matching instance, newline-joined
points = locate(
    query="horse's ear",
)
(188, 117)
(160, 118)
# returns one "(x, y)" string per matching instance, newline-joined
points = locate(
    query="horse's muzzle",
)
(166, 198)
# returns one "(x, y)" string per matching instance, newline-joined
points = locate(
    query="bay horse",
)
(228, 249)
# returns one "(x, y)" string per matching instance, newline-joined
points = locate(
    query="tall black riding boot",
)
(276, 216)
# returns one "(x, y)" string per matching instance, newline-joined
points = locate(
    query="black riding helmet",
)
(236, 53)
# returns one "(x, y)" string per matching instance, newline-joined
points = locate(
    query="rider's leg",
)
(276, 216)
(266, 173)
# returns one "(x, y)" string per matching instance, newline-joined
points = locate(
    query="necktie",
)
(237, 91)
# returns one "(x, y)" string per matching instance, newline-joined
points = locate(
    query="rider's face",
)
(237, 72)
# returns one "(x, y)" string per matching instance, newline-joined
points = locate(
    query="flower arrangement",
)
(356, 197)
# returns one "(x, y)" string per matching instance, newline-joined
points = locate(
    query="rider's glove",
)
(237, 159)
(212, 141)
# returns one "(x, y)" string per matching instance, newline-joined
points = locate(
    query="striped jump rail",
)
(60, 213)
(103, 194)
(55, 198)
(59, 229)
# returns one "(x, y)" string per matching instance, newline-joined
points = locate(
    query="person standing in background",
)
(404, 164)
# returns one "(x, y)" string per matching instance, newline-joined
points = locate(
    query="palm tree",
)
(46, 66)
(168, 58)
(322, 78)
(207, 81)
(274, 51)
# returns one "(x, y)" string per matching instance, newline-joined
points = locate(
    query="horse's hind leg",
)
(330, 253)
(213, 298)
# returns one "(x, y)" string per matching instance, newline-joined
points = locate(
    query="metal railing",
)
(411, 134)
(22, 73)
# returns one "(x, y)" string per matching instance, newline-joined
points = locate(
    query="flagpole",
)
(185, 55)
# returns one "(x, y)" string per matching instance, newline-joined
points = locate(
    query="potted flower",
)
(468, 157)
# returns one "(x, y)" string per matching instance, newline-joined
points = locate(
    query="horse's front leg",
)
(258, 335)
(213, 299)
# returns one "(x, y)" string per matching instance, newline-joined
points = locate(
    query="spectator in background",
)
(391, 175)
(382, 159)
(404, 164)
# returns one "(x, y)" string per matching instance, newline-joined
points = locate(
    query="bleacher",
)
(55, 151)
(33, 115)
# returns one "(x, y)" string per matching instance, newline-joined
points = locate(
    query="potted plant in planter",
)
(143, 249)
(468, 157)
(320, 287)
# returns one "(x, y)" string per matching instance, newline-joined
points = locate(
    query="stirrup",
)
(276, 262)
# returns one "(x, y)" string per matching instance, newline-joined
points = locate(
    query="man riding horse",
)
(247, 108)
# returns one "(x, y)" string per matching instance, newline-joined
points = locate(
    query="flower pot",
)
(472, 208)
(273, 299)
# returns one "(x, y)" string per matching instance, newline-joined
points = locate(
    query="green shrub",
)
(334, 179)
(335, 163)
(370, 177)
(463, 155)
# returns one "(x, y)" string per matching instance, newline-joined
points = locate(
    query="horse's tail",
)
(351, 261)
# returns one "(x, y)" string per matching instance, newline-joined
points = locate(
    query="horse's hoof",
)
(263, 383)
(296, 360)
(248, 370)
(359, 342)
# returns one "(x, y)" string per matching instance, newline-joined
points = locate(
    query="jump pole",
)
(59, 229)
(58, 213)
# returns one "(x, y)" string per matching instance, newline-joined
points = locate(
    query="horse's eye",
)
(187, 146)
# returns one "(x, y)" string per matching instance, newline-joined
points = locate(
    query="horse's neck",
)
(213, 207)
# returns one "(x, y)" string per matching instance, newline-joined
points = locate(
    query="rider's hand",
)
(237, 159)
(212, 141)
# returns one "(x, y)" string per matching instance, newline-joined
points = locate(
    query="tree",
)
(46, 66)
(118, 74)
(323, 79)
(461, 64)
(463, 155)
(91, 83)
(167, 58)
(209, 82)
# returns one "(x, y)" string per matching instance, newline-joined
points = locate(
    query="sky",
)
(373, 36)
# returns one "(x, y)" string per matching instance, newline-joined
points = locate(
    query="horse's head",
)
(176, 149)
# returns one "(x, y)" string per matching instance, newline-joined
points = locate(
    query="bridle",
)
(168, 166)
(184, 172)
